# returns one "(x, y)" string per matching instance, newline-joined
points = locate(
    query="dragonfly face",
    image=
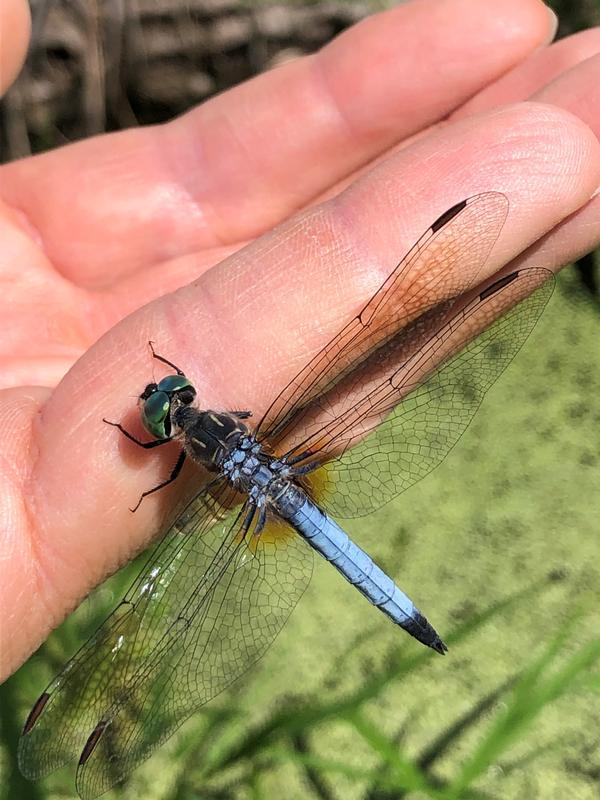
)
(166, 413)
(159, 400)
(373, 412)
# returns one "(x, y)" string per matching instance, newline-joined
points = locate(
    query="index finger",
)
(242, 331)
(245, 160)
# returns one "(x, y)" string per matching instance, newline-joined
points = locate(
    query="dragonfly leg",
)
(164, 360)
(262, 518)
(300, 457)
(173, 476)
(306, 468)
(145, 445)
(241, 414)
(248, 520)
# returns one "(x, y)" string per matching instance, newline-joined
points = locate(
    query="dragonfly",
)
(373, 412)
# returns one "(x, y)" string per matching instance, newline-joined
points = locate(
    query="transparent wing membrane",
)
(443, 264)
(376, 410)
(207, 605)
(432, 396)
(102, 669)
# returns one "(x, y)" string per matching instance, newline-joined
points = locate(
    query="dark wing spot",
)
(447, 216)
(92, 741)
(499, 284)
(35, 712)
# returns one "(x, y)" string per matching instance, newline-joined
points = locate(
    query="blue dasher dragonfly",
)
(373, 412)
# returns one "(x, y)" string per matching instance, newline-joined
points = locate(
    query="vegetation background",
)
(500, 541)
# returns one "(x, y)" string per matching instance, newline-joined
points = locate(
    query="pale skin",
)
(265, 206)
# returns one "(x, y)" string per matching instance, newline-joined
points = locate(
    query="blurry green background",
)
(498, 546)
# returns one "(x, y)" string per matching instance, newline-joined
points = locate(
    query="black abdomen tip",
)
(420, 628)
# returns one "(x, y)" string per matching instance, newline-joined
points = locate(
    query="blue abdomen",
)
(328, 539)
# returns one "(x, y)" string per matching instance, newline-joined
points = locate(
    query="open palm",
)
(279, 207)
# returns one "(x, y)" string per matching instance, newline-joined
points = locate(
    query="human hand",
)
(265, 205)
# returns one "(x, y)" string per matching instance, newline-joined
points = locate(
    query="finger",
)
(246, 159)
(576, 64)
(15, 27)
(574, 91)
(244, 328)
(571, 239)
(535, 72)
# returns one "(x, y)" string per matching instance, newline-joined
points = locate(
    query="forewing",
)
(443, 264)
(101, 671)
(253, 584)
(431, 405)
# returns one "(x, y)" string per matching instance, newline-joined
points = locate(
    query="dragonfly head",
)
(158, 400)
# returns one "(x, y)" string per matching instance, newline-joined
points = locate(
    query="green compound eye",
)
(155, 414)
(156, 409)
(173, 383)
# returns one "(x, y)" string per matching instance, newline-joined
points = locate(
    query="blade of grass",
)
(404, 775)
(292, 720)
(533, 692)
(462, 725)
(283, 755)
(301, 746)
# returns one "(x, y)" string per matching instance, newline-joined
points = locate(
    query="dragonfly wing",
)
(250, 585)
(71, 705)
(384, 453)
(443, 264)
(206, 606)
